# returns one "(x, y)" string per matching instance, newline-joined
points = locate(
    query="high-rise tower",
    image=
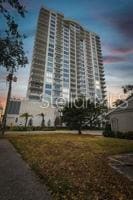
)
(67, 60)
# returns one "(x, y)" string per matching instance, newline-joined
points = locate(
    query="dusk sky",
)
(112, 20)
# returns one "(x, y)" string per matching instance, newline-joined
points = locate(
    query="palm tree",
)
(26, 116)
(57, 122)
(42, 115)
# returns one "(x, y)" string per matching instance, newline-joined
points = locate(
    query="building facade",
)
(121, 118)
(67, 60)
(34, 108)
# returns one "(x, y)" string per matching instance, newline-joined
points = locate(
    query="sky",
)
(112, 20)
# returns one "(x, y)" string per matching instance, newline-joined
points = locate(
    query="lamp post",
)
(10, 78)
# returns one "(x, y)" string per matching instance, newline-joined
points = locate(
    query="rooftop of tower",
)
(69, 19)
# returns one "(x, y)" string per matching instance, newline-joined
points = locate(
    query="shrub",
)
(128, 135)
(29, 128)
(20, 128)
(108, 132)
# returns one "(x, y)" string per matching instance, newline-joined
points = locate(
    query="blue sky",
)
(112, 20)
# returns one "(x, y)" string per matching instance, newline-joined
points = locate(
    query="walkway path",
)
(89, 132)
(17, 180)
(123, 164)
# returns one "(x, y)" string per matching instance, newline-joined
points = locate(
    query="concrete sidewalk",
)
(123, 164)
(87, 132)
(17, 180)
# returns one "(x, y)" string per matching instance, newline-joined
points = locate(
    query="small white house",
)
(33, 108)
(121, 118)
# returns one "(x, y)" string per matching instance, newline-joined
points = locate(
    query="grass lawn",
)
(76, 167)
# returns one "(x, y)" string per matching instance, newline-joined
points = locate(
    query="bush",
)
(128, 135)
(20, 128)
(29, 128)
(108, 132)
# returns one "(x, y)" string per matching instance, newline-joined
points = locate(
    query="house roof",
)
(127, 105)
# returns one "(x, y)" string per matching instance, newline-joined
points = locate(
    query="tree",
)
(57, 121)
(74, 114)
(30, 123)
(26, 116)
(49, 123)
(42, 115)
(95, 113)
(83, 113)
(128, 89)
(118, 102)
(12, 55)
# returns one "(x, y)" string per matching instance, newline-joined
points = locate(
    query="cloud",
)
(113, 59)
(119, 49)
(122, 21)
(123, 50)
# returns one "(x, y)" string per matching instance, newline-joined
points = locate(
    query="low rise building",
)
(34, 108)
(121, 118)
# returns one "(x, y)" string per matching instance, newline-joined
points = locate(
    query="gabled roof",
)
(127, 105)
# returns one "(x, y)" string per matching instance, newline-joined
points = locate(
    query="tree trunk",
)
(79, 131)
(7, 105)
(26, 122)
(42, 123)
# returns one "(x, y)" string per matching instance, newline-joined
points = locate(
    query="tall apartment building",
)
(67, 60)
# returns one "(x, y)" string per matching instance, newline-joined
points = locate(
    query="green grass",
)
(76, 167)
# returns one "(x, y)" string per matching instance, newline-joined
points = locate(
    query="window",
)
(49, 69)
(66, 61)
(66, 41)
(66, 66)
(48, 86)
(66, 49)
(52, 33)
(50, 54)
(65, 79)
(66, 37)
(52, 37)
(51, 45)
(53, 15)
(66, 84)
(66, 53)
(66, 57)
(50, 64)
(97, 78)
(66, 75)
(52, 21)
(57, 86)
(49, 80)
(52, 25)
(51, 50)
(49, 75)
(66, 70)
(56, 93)
(66, 44)
(51, 41)
(52, 29)
(50, 59)
(48, 92)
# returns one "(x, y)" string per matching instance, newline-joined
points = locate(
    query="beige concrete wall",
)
(11, 120)
(33, 108)
(124, 121)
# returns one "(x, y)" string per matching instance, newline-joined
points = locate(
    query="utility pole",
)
(10, 78)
